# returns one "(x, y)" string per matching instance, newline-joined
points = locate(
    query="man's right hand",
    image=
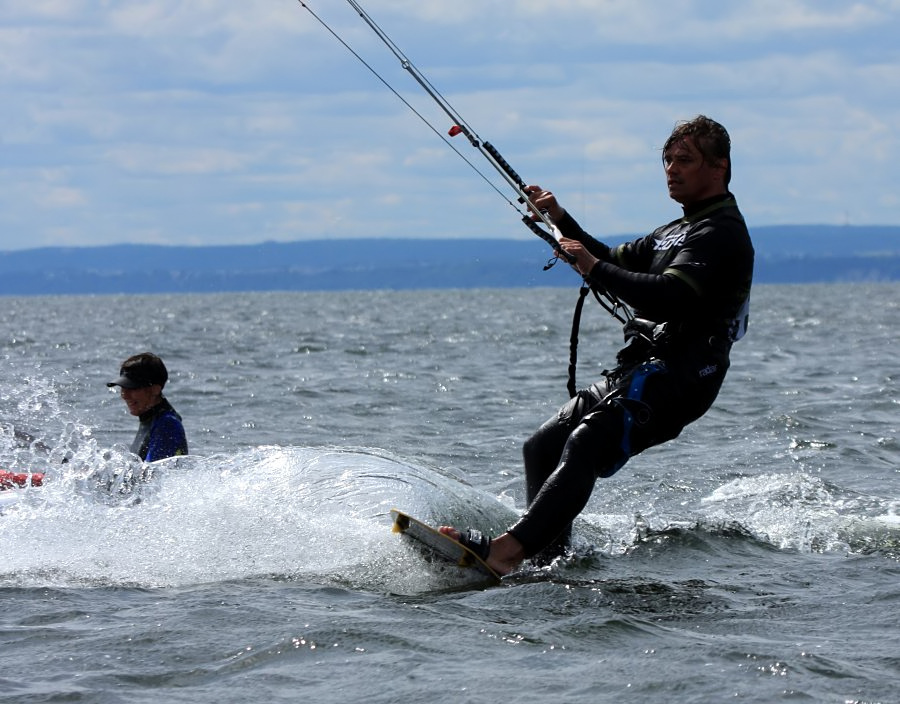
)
(541, 201)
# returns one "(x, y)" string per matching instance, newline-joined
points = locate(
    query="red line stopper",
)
(455, 130)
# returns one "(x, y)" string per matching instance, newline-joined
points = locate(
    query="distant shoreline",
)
(784, 254)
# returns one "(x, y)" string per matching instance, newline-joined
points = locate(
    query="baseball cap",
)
(140, 371)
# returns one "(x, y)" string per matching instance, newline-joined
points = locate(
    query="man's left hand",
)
(584, 260)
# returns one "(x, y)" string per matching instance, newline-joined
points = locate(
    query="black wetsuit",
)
(160, 434)
(688, 283)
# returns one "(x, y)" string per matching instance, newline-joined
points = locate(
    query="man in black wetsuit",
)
(160, 433)
(688, 283)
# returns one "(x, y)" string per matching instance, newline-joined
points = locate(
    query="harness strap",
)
(573, 339)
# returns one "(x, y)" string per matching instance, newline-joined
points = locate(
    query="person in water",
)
(160, 433)
(688, 283)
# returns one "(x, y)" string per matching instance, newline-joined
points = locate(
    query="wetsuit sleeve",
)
(167, 439)
(658, 296)
(569, 228)
(706, 272)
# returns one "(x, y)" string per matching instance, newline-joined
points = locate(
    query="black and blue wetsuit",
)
(688, 283)
(160, 434)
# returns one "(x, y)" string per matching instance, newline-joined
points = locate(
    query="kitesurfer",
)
(688, 283)
(161, 432)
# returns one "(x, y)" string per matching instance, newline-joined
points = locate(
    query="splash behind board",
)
(441, 545)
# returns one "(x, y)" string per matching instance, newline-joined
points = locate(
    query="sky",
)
(211, 122)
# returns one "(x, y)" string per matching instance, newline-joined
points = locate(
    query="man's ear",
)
(724, 167)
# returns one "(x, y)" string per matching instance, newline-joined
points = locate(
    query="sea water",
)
(756, 558)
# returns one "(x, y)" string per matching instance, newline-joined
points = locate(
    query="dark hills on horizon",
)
(784, 254)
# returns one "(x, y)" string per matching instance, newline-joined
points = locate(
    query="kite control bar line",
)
(531, 216)
(486, 148)
(459, 127)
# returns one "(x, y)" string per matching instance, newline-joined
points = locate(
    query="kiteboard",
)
(441, 546)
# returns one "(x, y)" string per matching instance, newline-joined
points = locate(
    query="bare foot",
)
(505, 555)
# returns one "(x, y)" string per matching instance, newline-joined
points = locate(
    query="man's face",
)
(689, 177)
(141, 400)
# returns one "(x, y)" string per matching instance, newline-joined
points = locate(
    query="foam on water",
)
(102, 518)
(287, 512)
(323, 514)
(798, 511)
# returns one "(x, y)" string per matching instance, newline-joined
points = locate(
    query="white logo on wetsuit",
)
(673, 239)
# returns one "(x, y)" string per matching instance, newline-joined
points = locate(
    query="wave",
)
(785, 512)
(295, 513)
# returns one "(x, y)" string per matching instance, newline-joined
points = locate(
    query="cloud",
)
(148, 159)
(60, 197)
(239, 122)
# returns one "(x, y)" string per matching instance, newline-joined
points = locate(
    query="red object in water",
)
(9, 480)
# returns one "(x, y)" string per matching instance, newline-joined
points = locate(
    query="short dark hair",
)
(710, 138)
